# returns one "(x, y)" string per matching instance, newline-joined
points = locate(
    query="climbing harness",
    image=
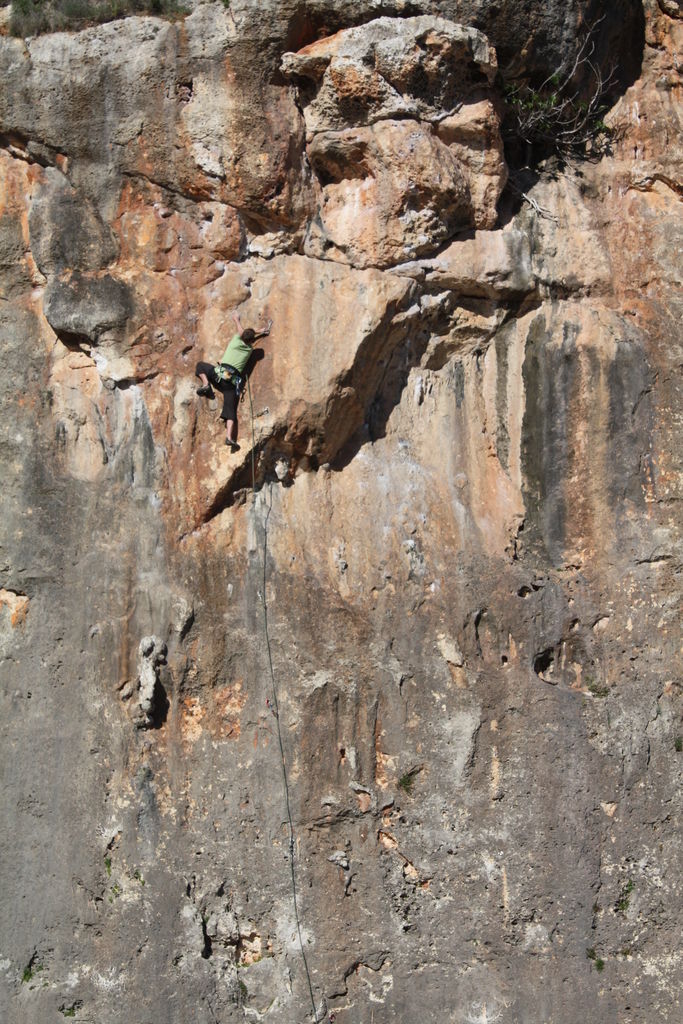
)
(227, 374)
(273, 706)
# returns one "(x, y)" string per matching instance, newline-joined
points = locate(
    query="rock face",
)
(452, 530)
(397, 159)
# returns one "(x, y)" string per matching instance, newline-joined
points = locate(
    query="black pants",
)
(227, 389)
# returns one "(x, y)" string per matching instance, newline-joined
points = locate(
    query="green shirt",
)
(237, 354)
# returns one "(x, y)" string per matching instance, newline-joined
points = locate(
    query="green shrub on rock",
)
(35, 17)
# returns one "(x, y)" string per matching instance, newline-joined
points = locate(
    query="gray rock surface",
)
(83, 307)
(452, 528)
(65, 232)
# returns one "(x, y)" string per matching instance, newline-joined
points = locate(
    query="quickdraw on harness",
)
(227, 374)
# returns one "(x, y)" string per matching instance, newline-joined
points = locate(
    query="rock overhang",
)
(392, 139)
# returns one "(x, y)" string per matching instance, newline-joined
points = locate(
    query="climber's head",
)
(248, 335)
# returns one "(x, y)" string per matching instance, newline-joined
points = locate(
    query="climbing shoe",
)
(205, 391)
(232, 445)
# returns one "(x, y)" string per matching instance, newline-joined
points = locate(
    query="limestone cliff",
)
(452, 527)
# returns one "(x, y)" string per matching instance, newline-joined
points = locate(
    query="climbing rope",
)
(275, 705)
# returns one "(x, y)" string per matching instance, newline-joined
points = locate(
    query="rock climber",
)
(230, 374)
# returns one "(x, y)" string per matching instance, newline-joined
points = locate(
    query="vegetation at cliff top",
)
(33, 17)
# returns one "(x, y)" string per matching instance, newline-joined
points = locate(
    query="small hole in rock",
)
(543, 661)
